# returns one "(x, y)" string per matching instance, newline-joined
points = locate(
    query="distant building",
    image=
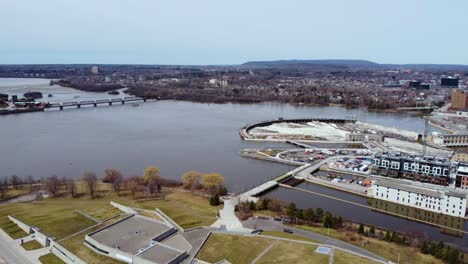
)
(414, 84)
(364, 137)
(462, 113)
(95, 70)
(444, 202)
(411, 167)
(450, 140)
(3, 97)
(459, 99)
(461, 178)
(460, 157)
(448, 82)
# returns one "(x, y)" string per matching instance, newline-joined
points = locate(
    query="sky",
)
(232, 32)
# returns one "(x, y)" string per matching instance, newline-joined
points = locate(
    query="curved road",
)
(270, 225)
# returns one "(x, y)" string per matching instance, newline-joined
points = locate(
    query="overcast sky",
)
(232, 32)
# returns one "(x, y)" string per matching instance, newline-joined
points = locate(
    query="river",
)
(172, 135)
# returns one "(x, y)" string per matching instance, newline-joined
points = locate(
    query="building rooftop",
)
(409, 188)
(160, 254)
(414, 158)
(131, 234)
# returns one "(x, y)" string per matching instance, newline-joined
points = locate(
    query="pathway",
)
(12, 252)
(228, 220)
(264, 252)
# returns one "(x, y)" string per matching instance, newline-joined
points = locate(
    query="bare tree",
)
(52, 184)
(15, 181)
(117, 184)
(3, 189)
(30, 181)
(90, 179)
(71, 188)
(133, 185)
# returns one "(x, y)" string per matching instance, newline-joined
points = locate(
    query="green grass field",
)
(50, 259)
(11, 228)
(382, 248)
(76, 246)
(244, 249)
(31, 245)
(184, 208)
(287, 235)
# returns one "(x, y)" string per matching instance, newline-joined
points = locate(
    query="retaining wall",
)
(64, 254)
(26, 228)
(123, 208)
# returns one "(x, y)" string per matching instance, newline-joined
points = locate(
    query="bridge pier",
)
(78, 105)
(110, 103)
(95, 104)
(61, 108)
(123, 102)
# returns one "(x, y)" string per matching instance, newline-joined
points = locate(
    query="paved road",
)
(12, 253)
(270, 225)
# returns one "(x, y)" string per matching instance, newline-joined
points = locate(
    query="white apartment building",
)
(444, 202)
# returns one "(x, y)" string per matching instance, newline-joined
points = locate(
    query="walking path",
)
(264, 252)
(12, 252)
(228, 220)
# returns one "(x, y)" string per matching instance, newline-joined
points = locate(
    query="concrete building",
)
(459, 100)
(460, 157)
(461, 180)
(139, 240)
(417, 168)
(449, 82)
(95, 70)
(450, 140)
(364, 137)
(443, 202)
(462, 113)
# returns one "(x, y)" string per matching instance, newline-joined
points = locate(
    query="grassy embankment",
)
(57, 217)
(31, 245)
(243, 249)
(382, 248)
(50, 259)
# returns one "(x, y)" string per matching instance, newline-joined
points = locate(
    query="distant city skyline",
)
(210, 32)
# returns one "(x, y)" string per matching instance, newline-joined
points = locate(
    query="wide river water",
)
(172, 135)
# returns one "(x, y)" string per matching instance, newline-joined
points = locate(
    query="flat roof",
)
(132, 234)
(408, 188)
(160, 254)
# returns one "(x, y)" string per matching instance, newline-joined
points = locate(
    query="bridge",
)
(418, 108)
(95, 103)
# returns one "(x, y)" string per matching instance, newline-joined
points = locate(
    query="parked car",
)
(288, 231)
(257, 231)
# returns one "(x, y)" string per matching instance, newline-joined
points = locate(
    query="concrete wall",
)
(40, 237)
(65, 255)
(123, 208)
(107, 251)
(26, 228)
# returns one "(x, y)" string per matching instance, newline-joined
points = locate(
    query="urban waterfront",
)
(176, 137)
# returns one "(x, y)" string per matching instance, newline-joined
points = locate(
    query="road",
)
(12, 253)
(270, 225)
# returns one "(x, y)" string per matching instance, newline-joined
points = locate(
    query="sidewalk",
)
(12, 252)
(228, 220)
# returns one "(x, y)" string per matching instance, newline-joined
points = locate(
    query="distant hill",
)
(347, 64)
(342, 63)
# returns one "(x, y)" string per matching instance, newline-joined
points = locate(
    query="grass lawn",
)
(234, 248)
(184, 208)
(239, 249)
(31, 245)
(289, 252)
(76, 246)
(287, 235)
(50, 259)
(11, 228)
(382, 248)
